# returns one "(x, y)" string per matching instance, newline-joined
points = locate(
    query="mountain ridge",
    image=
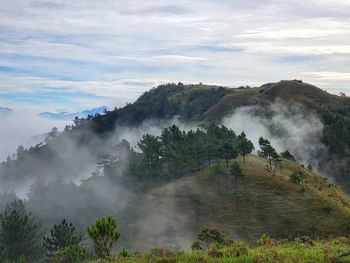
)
(70, 116)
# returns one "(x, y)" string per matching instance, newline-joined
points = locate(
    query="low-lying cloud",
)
(288, 127)
(25, 128)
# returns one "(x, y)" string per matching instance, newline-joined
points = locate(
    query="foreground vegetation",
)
(274, 252)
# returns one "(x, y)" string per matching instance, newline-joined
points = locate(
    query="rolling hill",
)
(264, 202)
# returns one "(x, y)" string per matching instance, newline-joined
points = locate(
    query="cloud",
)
(226, 42)
(23, 127)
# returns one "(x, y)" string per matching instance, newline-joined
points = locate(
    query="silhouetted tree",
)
(51, 135)
(20, 151)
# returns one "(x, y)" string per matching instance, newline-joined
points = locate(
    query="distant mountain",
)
(70, 116)
(4, 110)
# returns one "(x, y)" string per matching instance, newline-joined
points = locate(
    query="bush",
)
(215, 252)
(327, 208)
(71, 254)
(265, 240)
(161, 256)
(196, 245)
(124, 253)
(236, 249)
(208, 236)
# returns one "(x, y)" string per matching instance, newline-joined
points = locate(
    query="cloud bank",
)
(86, 54)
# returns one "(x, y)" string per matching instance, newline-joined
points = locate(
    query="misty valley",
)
(186, 173)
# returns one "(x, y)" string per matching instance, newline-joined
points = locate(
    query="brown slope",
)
(264, 202)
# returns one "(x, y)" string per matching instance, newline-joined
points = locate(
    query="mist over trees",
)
(66, 173)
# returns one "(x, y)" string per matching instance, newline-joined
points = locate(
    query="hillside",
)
(209, 104)
(264, 202)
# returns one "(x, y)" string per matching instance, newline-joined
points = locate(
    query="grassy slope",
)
(290, 91)
(265, 202)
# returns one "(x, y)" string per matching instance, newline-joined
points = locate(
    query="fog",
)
(288, 127)
(24, 127)
(65, 181)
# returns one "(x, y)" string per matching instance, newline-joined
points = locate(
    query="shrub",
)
(124, 253)
(327, 208)
(236, 249)
(265, 240)
(208, 236)
(196, 245)
(71, 254)
(215, 252)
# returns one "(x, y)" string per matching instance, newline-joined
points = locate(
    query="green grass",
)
(279, 252)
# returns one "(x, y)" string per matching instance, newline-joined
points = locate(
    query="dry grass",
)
(264, 202)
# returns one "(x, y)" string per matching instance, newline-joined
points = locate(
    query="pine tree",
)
(104, 234)
(244, 145)
(19, 234)
(62, 235)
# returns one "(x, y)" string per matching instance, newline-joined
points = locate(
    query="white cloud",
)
(100, 43)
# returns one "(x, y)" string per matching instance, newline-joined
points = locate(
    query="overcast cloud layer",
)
(72, 55)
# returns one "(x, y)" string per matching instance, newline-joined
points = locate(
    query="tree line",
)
(177, 152)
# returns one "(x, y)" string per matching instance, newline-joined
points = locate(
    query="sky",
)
(63, 55)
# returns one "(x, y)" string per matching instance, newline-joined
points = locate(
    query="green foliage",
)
(71, 254)
(61, 236)
(287, 155)
(267, 151)
(151, 148)
(333, 250)
(236, 249)
(297, 177)
(244, 145)
(208, 236)
(104, 234)
(124, 253)
(265, 240)
(176, 153)
(19, 234)
(217, 169)
(327, 207)
(235, 171)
